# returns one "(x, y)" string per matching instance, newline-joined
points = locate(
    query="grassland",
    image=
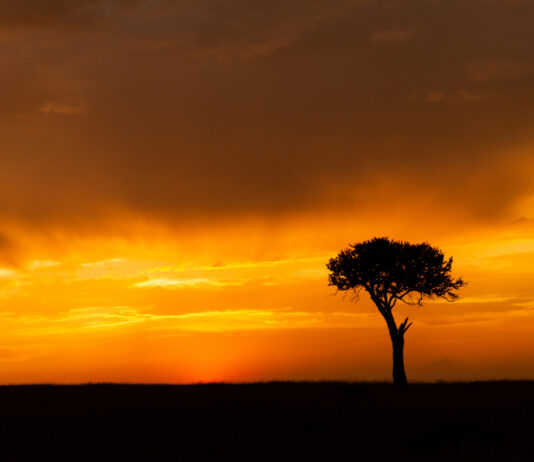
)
(486, 421)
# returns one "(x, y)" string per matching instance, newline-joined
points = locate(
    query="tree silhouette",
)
(394, 271)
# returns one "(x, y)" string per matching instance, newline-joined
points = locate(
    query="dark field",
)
(276, 421)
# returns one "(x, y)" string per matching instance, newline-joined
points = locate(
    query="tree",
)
(391, 272)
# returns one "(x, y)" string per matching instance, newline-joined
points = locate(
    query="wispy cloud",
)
(100, 263)
(65, 109)
(221, 265)
(481, 299)
(93, 318)
(392, 35)
(7, 273)
(40, 264)
(453, 96)
(488, 70)
(195, 282)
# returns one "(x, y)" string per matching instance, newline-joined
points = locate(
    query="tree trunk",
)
(397, 340)
(399, 375)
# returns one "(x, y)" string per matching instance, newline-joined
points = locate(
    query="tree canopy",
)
(393, 271)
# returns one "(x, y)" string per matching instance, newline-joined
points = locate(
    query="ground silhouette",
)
(269, 422)
(394, 271)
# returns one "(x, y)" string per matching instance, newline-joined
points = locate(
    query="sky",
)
(175, 175)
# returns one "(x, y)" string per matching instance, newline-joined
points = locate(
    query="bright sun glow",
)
(160, 313)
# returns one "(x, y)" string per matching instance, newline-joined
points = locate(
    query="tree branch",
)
(403, 300)
(404, 326)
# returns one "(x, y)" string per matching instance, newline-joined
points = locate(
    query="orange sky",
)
(175, 176)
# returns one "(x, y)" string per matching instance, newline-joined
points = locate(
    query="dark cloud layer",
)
(58, 13)
(264, 107)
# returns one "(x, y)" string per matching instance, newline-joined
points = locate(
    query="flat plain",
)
(486, 421)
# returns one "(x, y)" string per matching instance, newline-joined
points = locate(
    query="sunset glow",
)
(175, 176)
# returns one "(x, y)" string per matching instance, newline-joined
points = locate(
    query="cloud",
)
(434, 97)
(453, 96)
(193, 283)
(68, 109)
(192, 112)
(40, 264)
(238, 29)
(7, 273)
(511, 3)
(499, 69)
(103, 263)
(392, 35)
(83, 320)
(483, 299)
(53, 13)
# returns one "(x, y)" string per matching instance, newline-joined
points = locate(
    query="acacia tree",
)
(391, 272)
